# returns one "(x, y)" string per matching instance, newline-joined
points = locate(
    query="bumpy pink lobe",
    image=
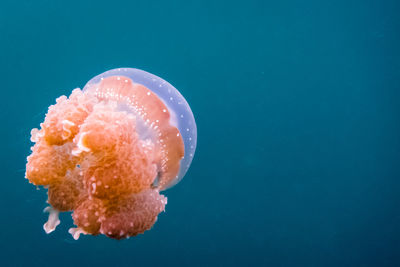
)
(66, 193)
(121, 163)
(106, 129)
(63, 119)
(133, 215)
(48, 164)
(89, 215)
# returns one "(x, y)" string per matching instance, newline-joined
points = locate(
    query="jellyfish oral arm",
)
(53, 220)
(76, 232)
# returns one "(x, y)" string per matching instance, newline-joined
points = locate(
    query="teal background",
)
(297, 108)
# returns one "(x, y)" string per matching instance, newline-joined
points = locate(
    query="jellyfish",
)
(105, 153)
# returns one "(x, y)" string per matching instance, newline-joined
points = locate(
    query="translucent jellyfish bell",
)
(181, 115)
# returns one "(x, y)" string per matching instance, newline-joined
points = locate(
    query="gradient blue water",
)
(297, 108)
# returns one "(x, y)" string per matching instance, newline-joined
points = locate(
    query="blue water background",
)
(298, 112)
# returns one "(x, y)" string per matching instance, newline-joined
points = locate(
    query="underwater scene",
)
(200, 133)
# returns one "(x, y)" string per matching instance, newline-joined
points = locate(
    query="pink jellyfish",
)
(107, 151)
